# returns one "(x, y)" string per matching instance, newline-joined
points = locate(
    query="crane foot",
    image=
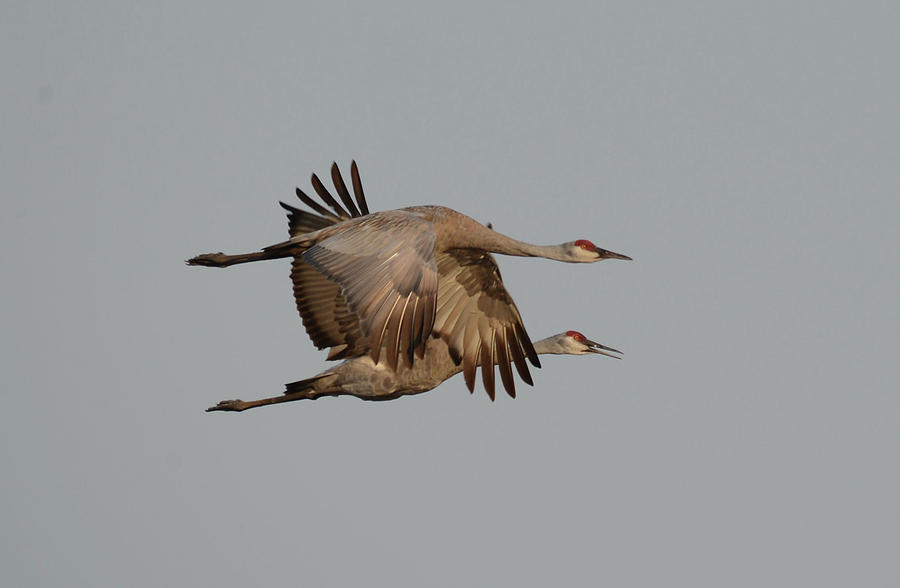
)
(230, 406)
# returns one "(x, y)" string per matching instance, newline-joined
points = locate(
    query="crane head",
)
(585, 251)
(574, 343)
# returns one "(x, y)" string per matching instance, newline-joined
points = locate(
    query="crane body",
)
(363, 378)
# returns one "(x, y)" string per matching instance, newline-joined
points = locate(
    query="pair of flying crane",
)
(407, 298)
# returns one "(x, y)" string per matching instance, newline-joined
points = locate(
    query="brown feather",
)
(470, 362)
(478, 319)
(358, 189)
(326, 196)
(392, 331)
(342, 190)
(301, 221)
(523, 338)
(379, 328)
(324, 312)
(487, 368)
(501, 356)
(372, 283)
(518, 355)
(407, 343)
(315, 205)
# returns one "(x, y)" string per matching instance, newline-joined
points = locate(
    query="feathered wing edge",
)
(328, 320)
(478, 319)
(356, 303)
(388, 277)
(301, 221)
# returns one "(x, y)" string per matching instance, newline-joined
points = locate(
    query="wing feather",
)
(328, 320)
(358, 189)
(301, 222)
(502, 353)
(326, 317)
(304, 197)
(391, 331)
(518, 355)
(406, 342)
(384, 265)
(487, 363)
(470, 358)
(326, 196)
(479, 321)
(342, 191)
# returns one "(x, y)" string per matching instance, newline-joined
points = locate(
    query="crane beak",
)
(604, 254)
(594, 347)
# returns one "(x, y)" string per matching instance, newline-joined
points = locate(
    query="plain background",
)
(745, 154)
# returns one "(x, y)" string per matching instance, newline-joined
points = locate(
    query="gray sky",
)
(747, 157)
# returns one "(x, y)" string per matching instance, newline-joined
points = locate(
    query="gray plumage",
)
(384, 283)
(363, 378)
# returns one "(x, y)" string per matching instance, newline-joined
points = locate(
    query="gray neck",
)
(490, 240)
(510, 246)
(549, 346)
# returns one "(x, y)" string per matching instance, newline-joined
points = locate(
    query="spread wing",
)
(478, 319)
(328, 320)
(384, 265)
(377, 287)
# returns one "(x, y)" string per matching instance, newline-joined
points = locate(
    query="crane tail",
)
(304, 385)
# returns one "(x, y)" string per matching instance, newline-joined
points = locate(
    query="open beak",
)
(595, 347)
(604, 254)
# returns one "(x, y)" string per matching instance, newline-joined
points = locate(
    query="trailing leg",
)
(241, 405)
(290, 248)
(311, 388)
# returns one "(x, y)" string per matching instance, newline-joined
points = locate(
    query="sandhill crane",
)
(363, 378)
(382, 283)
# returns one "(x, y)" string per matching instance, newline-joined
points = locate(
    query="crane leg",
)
(241, 405)
(294, 246)
(222, 260)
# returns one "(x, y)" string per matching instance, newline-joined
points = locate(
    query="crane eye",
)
(577, 336)
(585, 244)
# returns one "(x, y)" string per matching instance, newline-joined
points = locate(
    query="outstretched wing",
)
(478, 319)
(385, 267)
(328, 320)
